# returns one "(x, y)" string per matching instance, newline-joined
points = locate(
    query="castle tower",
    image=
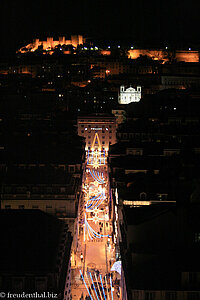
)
(36, 43)
(50, 42)
(62, 40)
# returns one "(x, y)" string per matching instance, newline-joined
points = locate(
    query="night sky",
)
(142, 20)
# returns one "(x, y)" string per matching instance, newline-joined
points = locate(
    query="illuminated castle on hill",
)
(163, 55)
(50, 44)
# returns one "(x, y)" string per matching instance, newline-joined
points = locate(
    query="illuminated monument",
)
(129, 95)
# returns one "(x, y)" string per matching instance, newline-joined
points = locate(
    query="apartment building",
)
(97, 129)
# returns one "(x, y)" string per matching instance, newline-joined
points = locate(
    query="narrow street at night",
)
(95, 254)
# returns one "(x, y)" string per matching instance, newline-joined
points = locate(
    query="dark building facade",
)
(35, 253)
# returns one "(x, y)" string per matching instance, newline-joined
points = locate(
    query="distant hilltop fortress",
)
(162, 55)
(50, 44)
(165, 55)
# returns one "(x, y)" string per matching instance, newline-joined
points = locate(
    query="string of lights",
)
(94, 286)
(89, 284)
(100, 295)
(92, 233)
(95, 177)
(95, 205)
(85, 285)
(111, 288)
(98, 286)
(96, 157)
(100, 175)
(88, 156)
(102, 287)
(104, 154)
(94, 198)
(92, 158)
(107, 287)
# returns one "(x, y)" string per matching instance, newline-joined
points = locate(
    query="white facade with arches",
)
(129, 95)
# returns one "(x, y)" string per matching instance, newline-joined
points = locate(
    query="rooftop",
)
(34, 147)
(29, 241)
(165, 249)
(138, 215)
(37, 175)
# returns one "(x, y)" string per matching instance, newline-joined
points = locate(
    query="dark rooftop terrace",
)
(29, 241)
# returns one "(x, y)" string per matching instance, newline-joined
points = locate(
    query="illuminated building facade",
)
(129, 95)
(98, 130)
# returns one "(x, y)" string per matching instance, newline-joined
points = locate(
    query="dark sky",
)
(143, 20)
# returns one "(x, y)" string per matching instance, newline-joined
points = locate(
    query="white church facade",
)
(129, 95)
